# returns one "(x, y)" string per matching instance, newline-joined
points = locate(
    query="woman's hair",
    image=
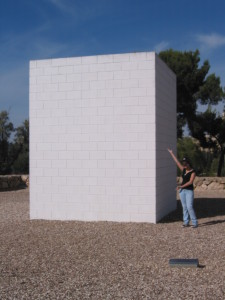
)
(187, 160)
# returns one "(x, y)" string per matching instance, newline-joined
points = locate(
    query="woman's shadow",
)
(204, 208)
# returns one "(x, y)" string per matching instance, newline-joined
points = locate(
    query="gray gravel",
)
(106, 260)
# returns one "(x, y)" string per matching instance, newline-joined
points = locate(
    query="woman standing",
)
(186, 190)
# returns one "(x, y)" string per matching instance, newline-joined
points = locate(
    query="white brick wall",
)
(165, 138)
(99, 129)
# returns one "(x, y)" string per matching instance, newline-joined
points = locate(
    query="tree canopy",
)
(194, 85)
(14, 154)
(209, 128)
(6, 129)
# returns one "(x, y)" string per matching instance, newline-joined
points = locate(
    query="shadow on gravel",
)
(204, 208)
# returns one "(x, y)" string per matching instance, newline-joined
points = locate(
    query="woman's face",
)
(185, 164)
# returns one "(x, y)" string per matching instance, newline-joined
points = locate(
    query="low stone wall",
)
(10, 182)
(207, 183)
(13, 182)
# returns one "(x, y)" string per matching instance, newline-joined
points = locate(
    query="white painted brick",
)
(97, 67)
(89, 76)
(113, 155)
(47, 155)
(121, 163)
(113, 172)
(90, 94)
(96, 125)
(97, 190)
(98, 155)
(146, 65)
(112, 66)
(67, 86)
(129, 172)
(105, 110)
(121, 57)
(66, 155)
(43, 79)
(32, 81)
(33, 64)
(58, 78)
(65, 69)
(122, 181)
(51, 70)
(66, 172)
(135, 92)
(89, 60)
(130, 190)
(104, 59)
(73, 164)
(81, 68)
(89, 164)
(107, 93)
(105, 163)
(51, 172)
(58, 96)
(146, 218)
(145, 181)
(125, 92)
(80, 172)
(129, 154)
(115, 84)
(131, 83)
(59, 62)
(72, 61)
(97, 84)
(44, 146)
(113, 190)
(43, 163)
(121, 75)
(130, 65)
(96, 172)
(146, 190)
(105, 75)
(39, 172)
(73, 77)
(36, 72)
(121, 146)
(81, 154)
(75, 181)
(105, 145)
(139, 74)
(41, 180)
(43, 63)
(59, 163)
(51, 87)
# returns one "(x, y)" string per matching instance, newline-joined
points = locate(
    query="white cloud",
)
(161, 46)
(62, 5)
(81, 12)
(211, 41)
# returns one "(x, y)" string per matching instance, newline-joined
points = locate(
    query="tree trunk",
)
(221, 162)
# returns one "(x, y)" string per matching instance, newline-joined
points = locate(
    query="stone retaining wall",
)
(207, 183)
(13, 182)
(10, 182)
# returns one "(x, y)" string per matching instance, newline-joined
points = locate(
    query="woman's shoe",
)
(185, 225)
(194, 226)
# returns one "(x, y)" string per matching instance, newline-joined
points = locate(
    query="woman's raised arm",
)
(176, 160)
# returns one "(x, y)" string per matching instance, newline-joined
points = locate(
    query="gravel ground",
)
(106, 260)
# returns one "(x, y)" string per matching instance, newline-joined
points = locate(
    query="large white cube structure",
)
(100, 127)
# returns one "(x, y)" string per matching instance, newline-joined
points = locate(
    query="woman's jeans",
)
(187, 200)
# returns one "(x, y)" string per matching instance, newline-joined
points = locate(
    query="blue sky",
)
(36, 29)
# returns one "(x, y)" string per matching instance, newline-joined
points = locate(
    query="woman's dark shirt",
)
(186, 177)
